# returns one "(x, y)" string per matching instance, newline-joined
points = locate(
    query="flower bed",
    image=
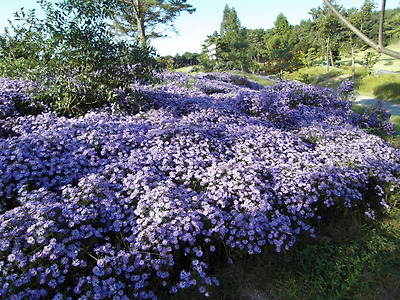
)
(117, 206)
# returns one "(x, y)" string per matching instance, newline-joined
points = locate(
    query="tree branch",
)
(367, 40)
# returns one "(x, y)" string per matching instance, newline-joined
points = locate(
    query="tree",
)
(280, 48)
(307, 44)
(210, 52)
(329, 30)
(393, 24)
(360, 18)
(256, 43)
(21, 48)
(233, 39)
(76, 58)
(141, 18)
(379, 47)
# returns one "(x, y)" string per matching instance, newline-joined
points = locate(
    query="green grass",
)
(385, 62)
(383, 86)
(315, 75)
(187, 69)
(351, 258)
(259, 79)
(388, 63)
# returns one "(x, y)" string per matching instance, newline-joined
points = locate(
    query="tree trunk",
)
(382, 19)
(331, 55)
(327, 55)
(353, 62)
(138, 9)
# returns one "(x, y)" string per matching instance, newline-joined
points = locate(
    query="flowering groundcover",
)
(112, 205)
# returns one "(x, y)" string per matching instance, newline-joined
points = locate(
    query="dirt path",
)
(392, 108)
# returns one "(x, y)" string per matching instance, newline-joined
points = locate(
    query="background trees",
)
(378, 46)
(328, 31)
(322, 39)
(233, 44)
(79, 34)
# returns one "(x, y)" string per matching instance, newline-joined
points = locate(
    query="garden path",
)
(392, 108)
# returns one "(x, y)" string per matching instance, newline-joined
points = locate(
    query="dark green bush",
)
(74, 57)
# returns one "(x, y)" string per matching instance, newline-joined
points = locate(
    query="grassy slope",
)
(379, 84)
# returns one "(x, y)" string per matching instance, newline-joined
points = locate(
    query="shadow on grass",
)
(388, 92)
(353, 257)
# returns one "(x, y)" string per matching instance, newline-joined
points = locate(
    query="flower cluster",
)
(346, 89)
(112, 205)
(376, 117)
(15, 99)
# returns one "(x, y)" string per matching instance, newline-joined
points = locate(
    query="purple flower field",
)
(113, 205)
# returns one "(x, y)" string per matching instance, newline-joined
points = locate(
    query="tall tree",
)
(233, 39)
(211, 52)
(256, 43)
(328, 29)
(280, 47)
(74, 56)
(360, 17)
(143, 18)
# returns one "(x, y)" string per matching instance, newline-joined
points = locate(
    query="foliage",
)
(233, 43)
(76, 60)
(280, 49)
(21, 51)
(114, 205)
(140, 18)
(370, 59)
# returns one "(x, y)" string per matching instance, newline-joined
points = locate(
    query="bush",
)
(74, 58)
(114, 205)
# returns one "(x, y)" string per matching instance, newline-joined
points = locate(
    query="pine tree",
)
(233, 43)
(141, 18)
(280, 48)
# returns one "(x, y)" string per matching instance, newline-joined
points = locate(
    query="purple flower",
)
(113, 202)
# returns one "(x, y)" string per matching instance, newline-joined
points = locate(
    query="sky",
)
(193, 29)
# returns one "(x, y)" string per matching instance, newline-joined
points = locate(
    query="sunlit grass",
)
(259, 79)
(382, 86)
(352, 258)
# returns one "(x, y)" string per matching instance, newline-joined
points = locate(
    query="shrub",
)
(74, 57)
(118, 206)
